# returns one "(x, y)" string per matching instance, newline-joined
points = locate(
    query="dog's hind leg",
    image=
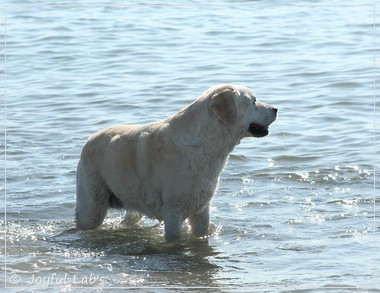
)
(92, 200)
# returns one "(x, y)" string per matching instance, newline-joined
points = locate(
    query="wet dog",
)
(168, 170)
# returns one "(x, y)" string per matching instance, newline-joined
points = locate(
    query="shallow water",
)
(295, 211)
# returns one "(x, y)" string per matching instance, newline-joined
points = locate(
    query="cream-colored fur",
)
(168, 170)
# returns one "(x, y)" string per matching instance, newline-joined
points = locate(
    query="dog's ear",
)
(223, 105)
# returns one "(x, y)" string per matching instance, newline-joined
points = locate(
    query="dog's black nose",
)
(275, 110)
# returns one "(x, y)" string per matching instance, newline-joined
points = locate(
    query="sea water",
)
(295, 211)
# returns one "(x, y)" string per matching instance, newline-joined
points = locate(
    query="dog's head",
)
(237, 106)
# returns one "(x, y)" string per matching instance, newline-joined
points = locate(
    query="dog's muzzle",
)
(258, 130)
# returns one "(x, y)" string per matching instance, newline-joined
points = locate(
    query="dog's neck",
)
(211, 135)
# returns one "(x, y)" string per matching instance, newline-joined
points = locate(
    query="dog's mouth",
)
(258, 130)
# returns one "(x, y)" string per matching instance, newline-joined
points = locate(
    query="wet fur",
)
(167, 170)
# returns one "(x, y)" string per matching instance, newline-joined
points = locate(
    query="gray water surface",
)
(295, 211)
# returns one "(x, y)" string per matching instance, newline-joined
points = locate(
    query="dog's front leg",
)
(173, 223)
(200, 222)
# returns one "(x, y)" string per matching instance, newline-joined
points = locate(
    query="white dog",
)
(168, 170)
